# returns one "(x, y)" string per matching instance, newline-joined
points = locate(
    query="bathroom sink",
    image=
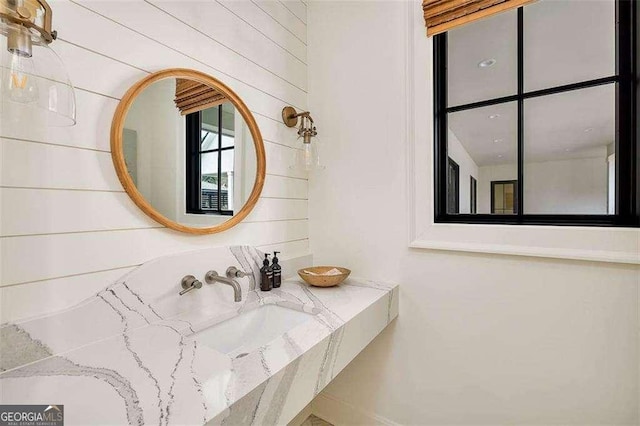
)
(252, 329)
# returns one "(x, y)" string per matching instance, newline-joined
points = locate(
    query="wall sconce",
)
(308, 158)
(33, 78)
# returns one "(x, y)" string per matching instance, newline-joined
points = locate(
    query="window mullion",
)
(520, 183)
(626, 190)
(635, 106)
(199, 166)
(219, 158)
(440, 128)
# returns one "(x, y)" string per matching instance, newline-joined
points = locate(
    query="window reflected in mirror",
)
(213, 148)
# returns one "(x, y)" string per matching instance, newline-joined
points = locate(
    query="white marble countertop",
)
(123, 358)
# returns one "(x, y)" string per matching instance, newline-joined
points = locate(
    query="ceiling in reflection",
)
(565, 41)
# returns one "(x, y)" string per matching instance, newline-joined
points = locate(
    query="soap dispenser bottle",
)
(277, 271)
(266, 274)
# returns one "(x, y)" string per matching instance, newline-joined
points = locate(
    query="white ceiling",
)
(490, 38)
(565, 41)
(562, 126)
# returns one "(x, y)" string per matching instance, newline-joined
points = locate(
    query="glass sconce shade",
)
(34, 84)
(307, 159)
(18, 83)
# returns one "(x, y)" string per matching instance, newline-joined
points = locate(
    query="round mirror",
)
(188, 151)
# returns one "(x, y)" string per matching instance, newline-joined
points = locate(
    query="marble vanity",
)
(138, 353)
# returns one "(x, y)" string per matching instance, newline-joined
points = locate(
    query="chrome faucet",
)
(212, 277)
(189, 282)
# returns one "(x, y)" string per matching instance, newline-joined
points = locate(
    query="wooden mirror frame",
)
(117, 154)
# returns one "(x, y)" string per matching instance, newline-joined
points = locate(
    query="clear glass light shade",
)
(34, 85)
(307, 159)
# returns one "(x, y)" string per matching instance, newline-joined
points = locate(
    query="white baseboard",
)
(341, 413)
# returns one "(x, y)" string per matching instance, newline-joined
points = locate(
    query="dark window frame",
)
(473, 195)
(193, 171)
(627, 152)
(451, 164)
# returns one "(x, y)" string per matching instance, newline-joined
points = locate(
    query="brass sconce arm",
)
(290, 116)
(307, 129)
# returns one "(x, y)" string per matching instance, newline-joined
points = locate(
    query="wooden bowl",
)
(323, 280)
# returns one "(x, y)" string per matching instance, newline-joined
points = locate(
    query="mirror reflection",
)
(189, 152)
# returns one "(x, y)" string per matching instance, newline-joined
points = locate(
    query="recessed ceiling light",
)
(588, 129)
(492, 116)
(497, 140)
(499, 155)
(487, 63)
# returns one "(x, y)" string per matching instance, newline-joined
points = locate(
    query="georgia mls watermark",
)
(31, 415)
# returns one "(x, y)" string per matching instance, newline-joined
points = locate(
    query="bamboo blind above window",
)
(443, 15)
(192, 96)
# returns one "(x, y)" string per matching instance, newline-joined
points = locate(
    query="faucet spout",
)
(212, 277)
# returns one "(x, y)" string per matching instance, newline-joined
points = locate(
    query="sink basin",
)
(251, 330)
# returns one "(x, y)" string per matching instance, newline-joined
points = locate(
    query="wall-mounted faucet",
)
(212, 277)
(189, 282)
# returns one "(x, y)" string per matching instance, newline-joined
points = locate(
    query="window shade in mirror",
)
(192, 96)
(443, 15)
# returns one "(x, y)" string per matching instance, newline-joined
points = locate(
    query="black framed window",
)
(540, 102)
(209, 161)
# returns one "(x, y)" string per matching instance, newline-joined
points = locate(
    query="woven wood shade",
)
(442, 15)
(192, 96)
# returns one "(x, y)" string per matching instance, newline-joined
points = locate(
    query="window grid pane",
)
(510, 200)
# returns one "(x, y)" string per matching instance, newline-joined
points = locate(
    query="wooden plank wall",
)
(67, 227)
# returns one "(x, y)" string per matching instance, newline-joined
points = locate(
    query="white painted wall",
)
(468, 168)
(575, 186)
(481, 339)
(160, 132)
(67, 228)
(611, 184)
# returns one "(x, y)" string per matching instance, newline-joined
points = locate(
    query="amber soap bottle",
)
(266, 274)
(277, 271)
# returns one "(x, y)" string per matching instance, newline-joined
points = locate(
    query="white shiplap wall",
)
(67, 227)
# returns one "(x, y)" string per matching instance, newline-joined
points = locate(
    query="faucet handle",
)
(233, 272)
(189, 282)
(210, 277)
